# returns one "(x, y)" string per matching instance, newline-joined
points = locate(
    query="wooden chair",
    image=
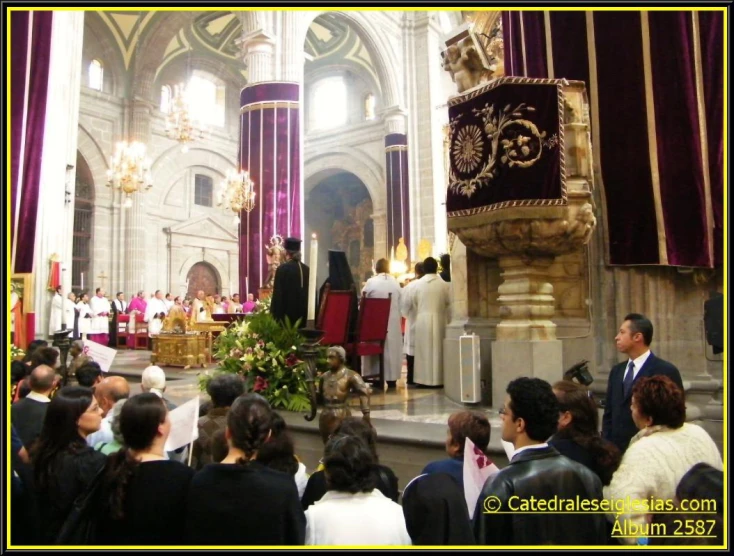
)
(374, 316)
(334, 316)
(122, 331)
(141, 333)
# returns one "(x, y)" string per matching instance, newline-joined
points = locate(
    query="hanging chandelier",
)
(129, 170)
(237, 193)
(179, 123)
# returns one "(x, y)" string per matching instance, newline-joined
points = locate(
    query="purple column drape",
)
(398, 201)
(624, 154)
(31, 44)
(270, 151)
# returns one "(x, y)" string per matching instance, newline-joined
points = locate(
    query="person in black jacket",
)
(144, 494)
(536, 471)
(27, 415)
(290, 289)
(63, 465)
(240, 501)
(385, 479)
(634, 339)
(341, 279)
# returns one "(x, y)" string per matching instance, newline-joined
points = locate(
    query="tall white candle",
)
(247, 288)
(82, 281)
(313, 265)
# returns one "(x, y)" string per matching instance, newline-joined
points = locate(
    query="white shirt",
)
(38, 397)
(362, 519)
(99, 305)
(154, 307)
(531, 447)
(639, 362)
(121, 305)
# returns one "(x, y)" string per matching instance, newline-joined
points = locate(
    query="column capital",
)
(259, 40)
(395, 118)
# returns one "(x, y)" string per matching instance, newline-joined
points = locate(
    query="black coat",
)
(617, 424)
(542, 473)
(27, 416)
(290, 292)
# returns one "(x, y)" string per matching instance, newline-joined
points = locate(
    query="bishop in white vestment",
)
(431, 302)
(100, 326)
(154, 313)
(381, 286)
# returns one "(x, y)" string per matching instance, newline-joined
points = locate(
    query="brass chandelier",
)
(237, 193)
(129, 170)
(180, 126)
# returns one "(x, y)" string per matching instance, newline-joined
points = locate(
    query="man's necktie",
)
(628, 378)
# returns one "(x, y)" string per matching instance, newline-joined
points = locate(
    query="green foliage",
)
(266, 354)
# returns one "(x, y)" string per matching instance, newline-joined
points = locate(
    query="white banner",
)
(184, 425)
(477, 469)
(100, 354)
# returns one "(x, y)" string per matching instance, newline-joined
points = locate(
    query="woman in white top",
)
(353, 512)
(660, 454)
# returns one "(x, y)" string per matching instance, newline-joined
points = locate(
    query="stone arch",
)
(377, 45)
(347, 159)
(169, 165)
(208, 258)
(93, 154)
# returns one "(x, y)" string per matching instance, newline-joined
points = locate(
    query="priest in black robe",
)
(341, 278)
(290, 288)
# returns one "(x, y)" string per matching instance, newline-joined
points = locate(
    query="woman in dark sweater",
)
(143, 498)
(578, 435)
(385, 480)
(63, 465)
(240, 501)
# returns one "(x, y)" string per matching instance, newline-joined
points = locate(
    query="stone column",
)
(55, 217)
(379, 220)
(134, 217)
(270, 150)
(397, 180)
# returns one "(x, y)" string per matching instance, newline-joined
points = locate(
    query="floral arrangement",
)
(16, 354)
(265, 353)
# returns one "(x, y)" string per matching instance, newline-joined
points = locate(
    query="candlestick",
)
(313, 264)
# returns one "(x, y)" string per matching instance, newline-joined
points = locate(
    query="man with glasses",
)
(516, 506)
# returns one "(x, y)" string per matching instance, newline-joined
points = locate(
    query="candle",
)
(82, 281)
(247, 287)
(313, 264)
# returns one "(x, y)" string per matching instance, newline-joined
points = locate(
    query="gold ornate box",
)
(179, 350)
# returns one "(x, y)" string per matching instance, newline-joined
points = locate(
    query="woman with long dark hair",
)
(578, 434)
(144, 493)
(63, 465)
(240, 501)
(279, 453)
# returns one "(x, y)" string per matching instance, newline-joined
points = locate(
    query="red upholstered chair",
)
(374, 315)
(141, 333)
(334, 316)
(122, 331)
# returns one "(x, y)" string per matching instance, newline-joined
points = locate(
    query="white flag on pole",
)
(477, 469)
(184, 425)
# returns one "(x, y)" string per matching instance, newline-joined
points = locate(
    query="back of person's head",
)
(419, 270)
(640, 323)
(42, 379)
(60, 430)
(473, 425)
(117, 388)
(204, 408)
(154, 380)
(18, 371)
(435, 511)
(660, 399)
(703, 482)
(224, 389)
(533, 400)
(32, 347)
(382, 265)
(278, 452)
(445, 261)
(348, 464)
(87, 374)
(116, 411)
(248, 422)
(140, 419)
(583, 429)
(354, 426)
(45, 356)
(430, 265)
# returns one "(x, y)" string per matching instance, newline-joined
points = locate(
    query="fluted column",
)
(134, 217)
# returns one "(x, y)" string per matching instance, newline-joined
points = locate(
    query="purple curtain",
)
(37, 49)
(635, 235)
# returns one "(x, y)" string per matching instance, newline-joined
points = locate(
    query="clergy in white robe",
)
(431, 302)
(155, 311)
(100, 308)
(57, 312)
(199, 310)
(70, 312)
(85, 314)
(381, 286)
(408, 311)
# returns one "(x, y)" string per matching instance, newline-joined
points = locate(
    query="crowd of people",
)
(90, 465)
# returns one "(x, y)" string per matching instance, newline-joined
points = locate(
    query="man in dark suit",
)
(290, 288)
(27, 415)
(633, 339)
